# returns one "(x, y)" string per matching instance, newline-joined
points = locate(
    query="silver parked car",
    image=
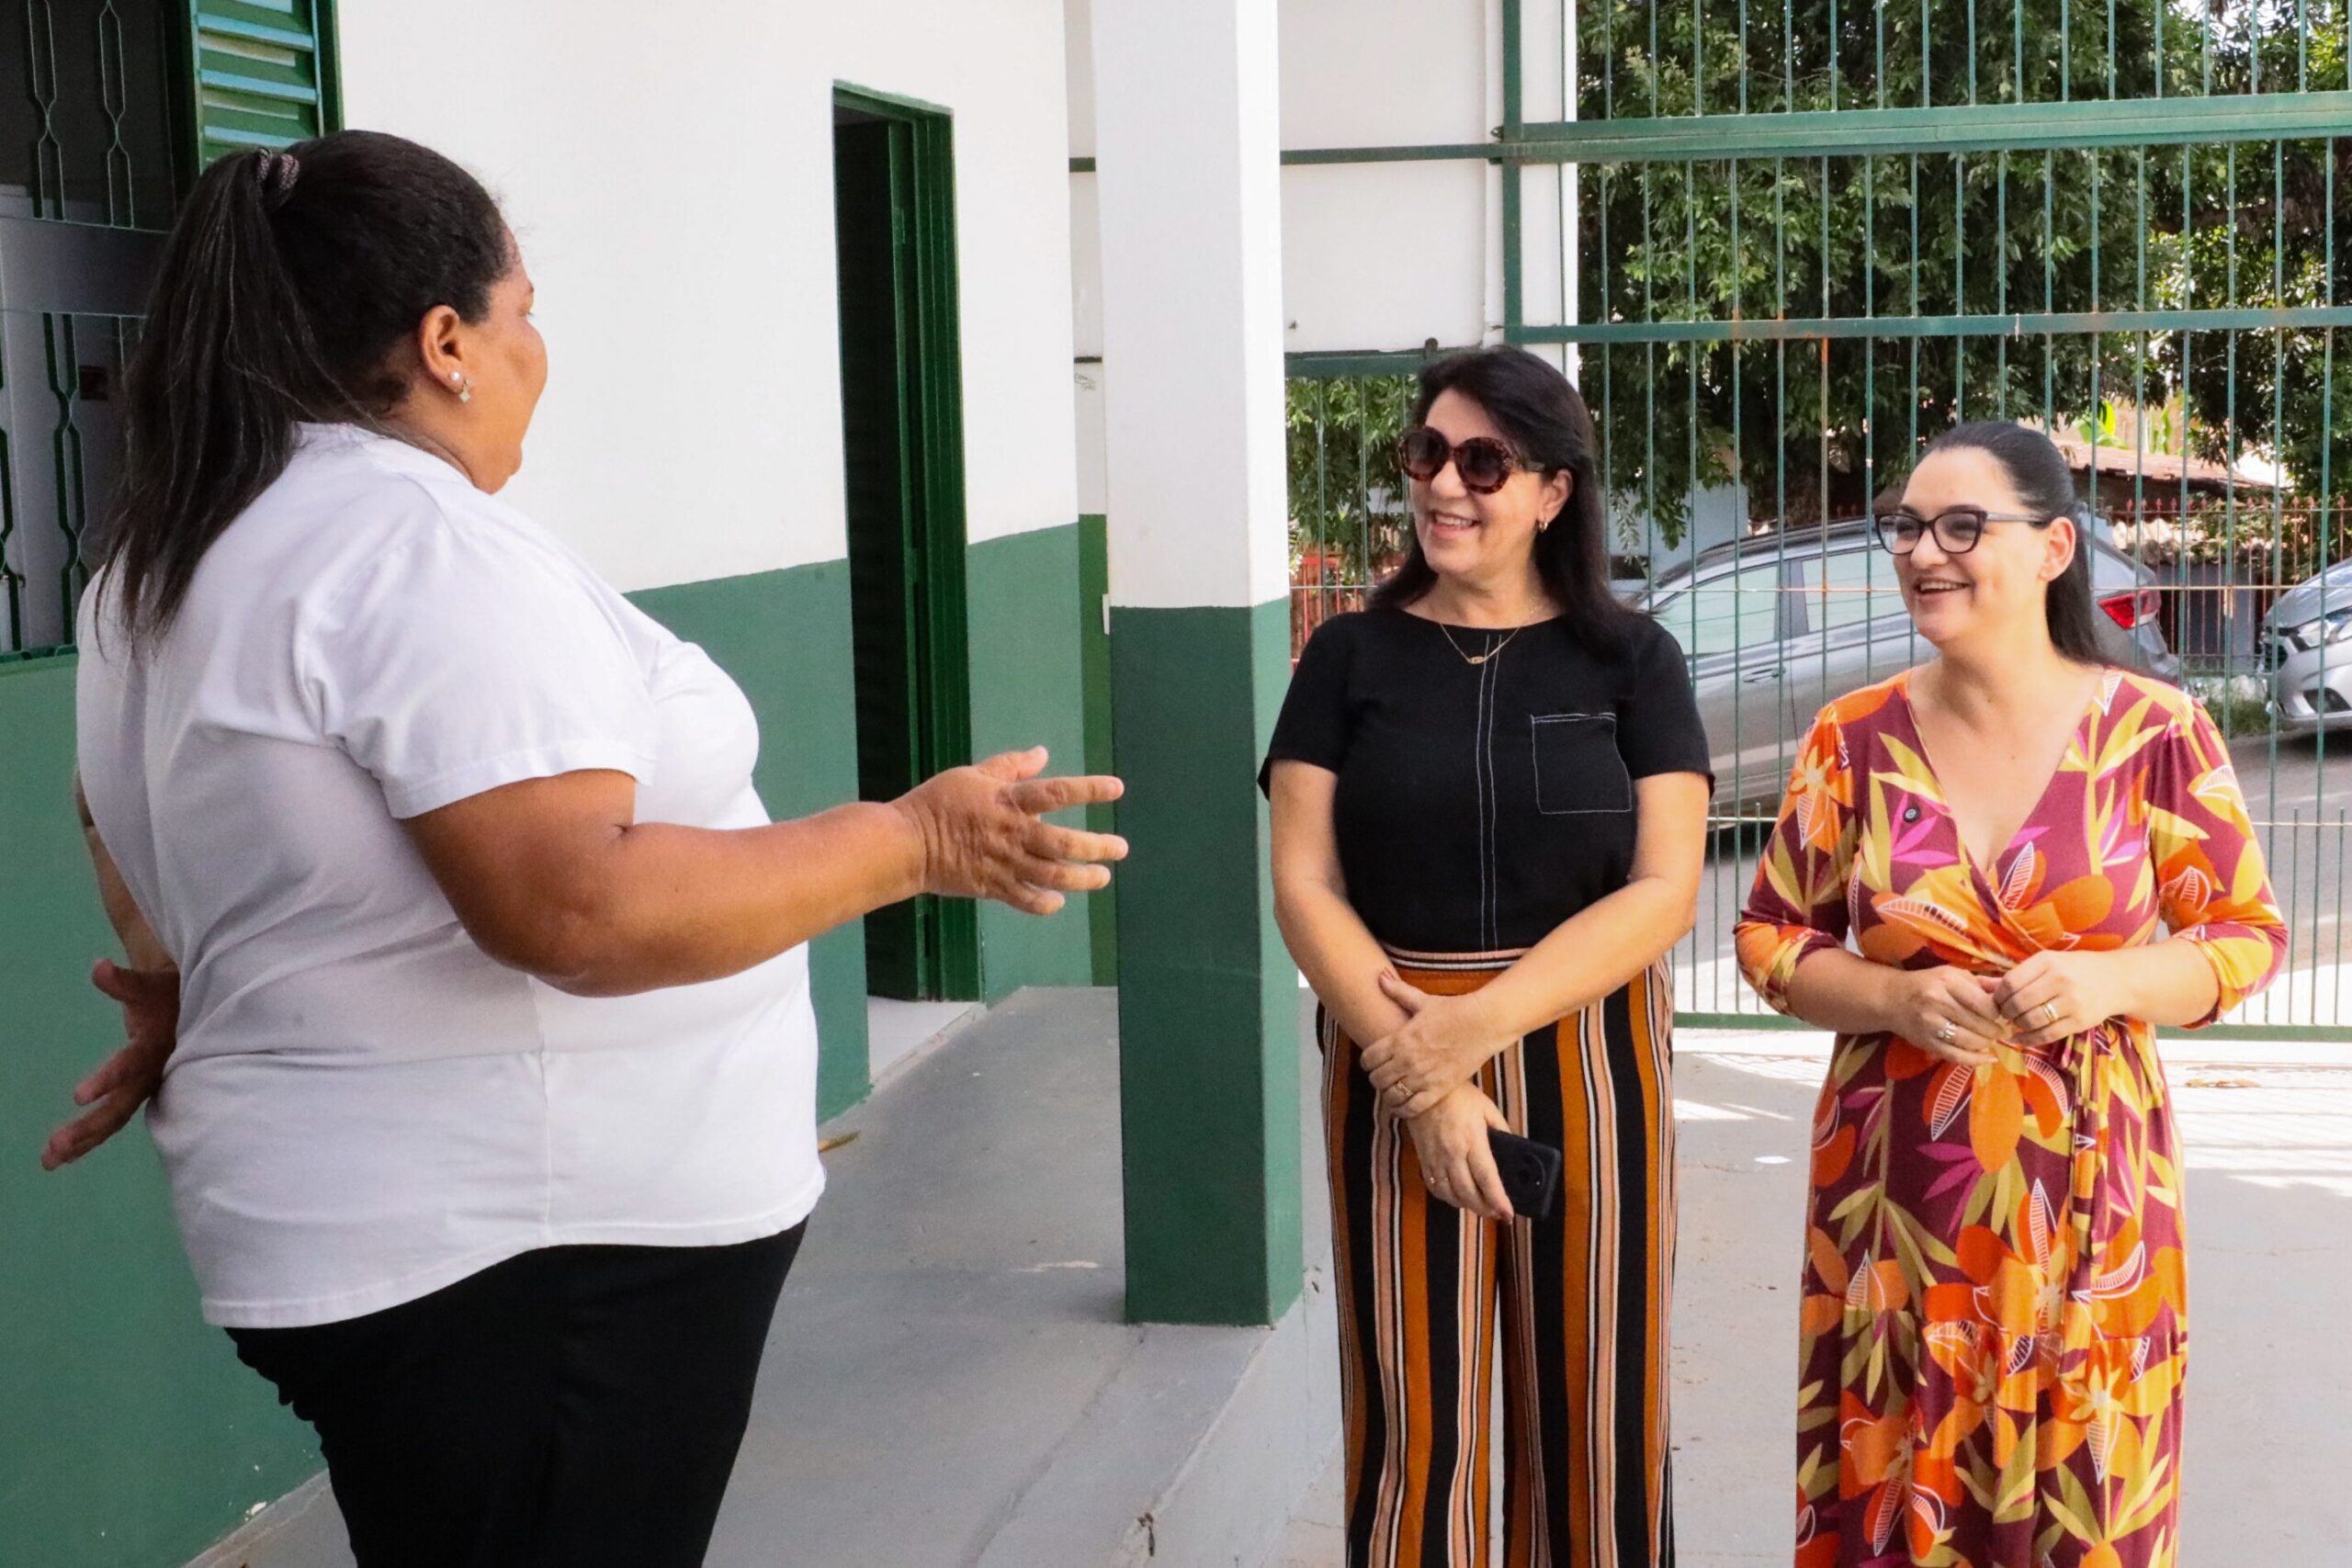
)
(2307, 647)
(1779, 624)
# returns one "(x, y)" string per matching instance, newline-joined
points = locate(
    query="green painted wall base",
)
(784, 636)
(1028, 689)
(129, 1434)
(1208, 1006)
(1094, 658)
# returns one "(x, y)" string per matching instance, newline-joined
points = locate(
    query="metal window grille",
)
(107, 107)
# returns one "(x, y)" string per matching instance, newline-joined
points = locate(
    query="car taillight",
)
(2128, 610)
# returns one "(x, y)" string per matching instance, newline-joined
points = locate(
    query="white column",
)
(1187, 179)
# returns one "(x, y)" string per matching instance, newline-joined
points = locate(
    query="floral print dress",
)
(1993, 1322)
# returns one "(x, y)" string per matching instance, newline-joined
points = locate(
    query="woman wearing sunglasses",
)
(1993, 1325)
(1489, 812)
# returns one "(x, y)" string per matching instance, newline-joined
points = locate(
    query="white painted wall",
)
(1373, 72)
(1718, 516)
(1389, 256)
(674, 195)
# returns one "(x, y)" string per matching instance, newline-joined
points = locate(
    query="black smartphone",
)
(1530, 1170)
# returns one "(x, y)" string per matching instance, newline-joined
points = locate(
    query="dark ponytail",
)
(1540, 412)
(286, 283)
(2039, 473)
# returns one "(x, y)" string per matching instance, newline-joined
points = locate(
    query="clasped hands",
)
(1422, 1073)
(1960, 1016)
(1439, 1047)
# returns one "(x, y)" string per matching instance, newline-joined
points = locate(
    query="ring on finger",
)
(2048, 1011)
(1946, 1031)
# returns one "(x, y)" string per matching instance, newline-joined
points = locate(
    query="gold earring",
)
(465, 387)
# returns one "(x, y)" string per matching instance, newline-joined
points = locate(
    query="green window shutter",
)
(263, 73)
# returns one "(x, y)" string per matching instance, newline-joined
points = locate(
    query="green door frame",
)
(930, 374)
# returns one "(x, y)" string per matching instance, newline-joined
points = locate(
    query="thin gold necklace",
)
(1482, 658)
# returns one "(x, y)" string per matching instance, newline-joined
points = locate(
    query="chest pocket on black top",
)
(1577, 768)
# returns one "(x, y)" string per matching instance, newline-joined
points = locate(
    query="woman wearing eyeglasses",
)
(1489, 799)
(1994, 1327)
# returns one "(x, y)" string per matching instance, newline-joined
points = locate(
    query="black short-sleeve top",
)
(1479, 805)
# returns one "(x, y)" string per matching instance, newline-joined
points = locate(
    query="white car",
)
(2307, 648)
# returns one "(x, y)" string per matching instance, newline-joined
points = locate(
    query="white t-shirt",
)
(363, 1108)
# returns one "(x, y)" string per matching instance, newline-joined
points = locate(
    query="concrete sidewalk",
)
(2270, 1250)
(950, 1383)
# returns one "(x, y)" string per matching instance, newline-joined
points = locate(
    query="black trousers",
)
(572, 1407)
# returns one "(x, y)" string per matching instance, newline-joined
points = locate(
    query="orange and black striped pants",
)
(1577, 1304)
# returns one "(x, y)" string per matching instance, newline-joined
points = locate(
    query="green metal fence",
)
(1808, 236)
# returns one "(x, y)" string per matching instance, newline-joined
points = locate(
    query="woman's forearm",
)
(555, 876)
(1328, 941)
(1585, 958)
(1842, 991)
(2171, 982)
(663, 905)
(1340, 958)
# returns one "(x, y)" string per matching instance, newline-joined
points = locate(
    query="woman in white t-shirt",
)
(469, 977)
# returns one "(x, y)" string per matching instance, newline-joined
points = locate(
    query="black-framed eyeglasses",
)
(1957, 528)
(1484, 464)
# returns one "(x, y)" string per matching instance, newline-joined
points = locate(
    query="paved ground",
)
(2270, 1208)
(953, 1337)
(951, 1382)
(2310, 857)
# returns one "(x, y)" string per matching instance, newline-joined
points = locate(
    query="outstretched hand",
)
(985, 836)
(128, 1079)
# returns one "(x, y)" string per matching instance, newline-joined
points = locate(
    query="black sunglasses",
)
(1957, 528)
(1484, 464)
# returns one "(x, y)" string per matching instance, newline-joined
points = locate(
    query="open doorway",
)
(904, 458)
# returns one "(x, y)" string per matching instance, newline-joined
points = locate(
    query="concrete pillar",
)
(1188, 158)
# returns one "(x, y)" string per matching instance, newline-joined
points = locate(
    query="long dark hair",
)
(1540, 413)
(2038, 472)
(284, 286)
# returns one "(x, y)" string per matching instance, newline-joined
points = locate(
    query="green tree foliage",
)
(1815, 427)
(1346, 498)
